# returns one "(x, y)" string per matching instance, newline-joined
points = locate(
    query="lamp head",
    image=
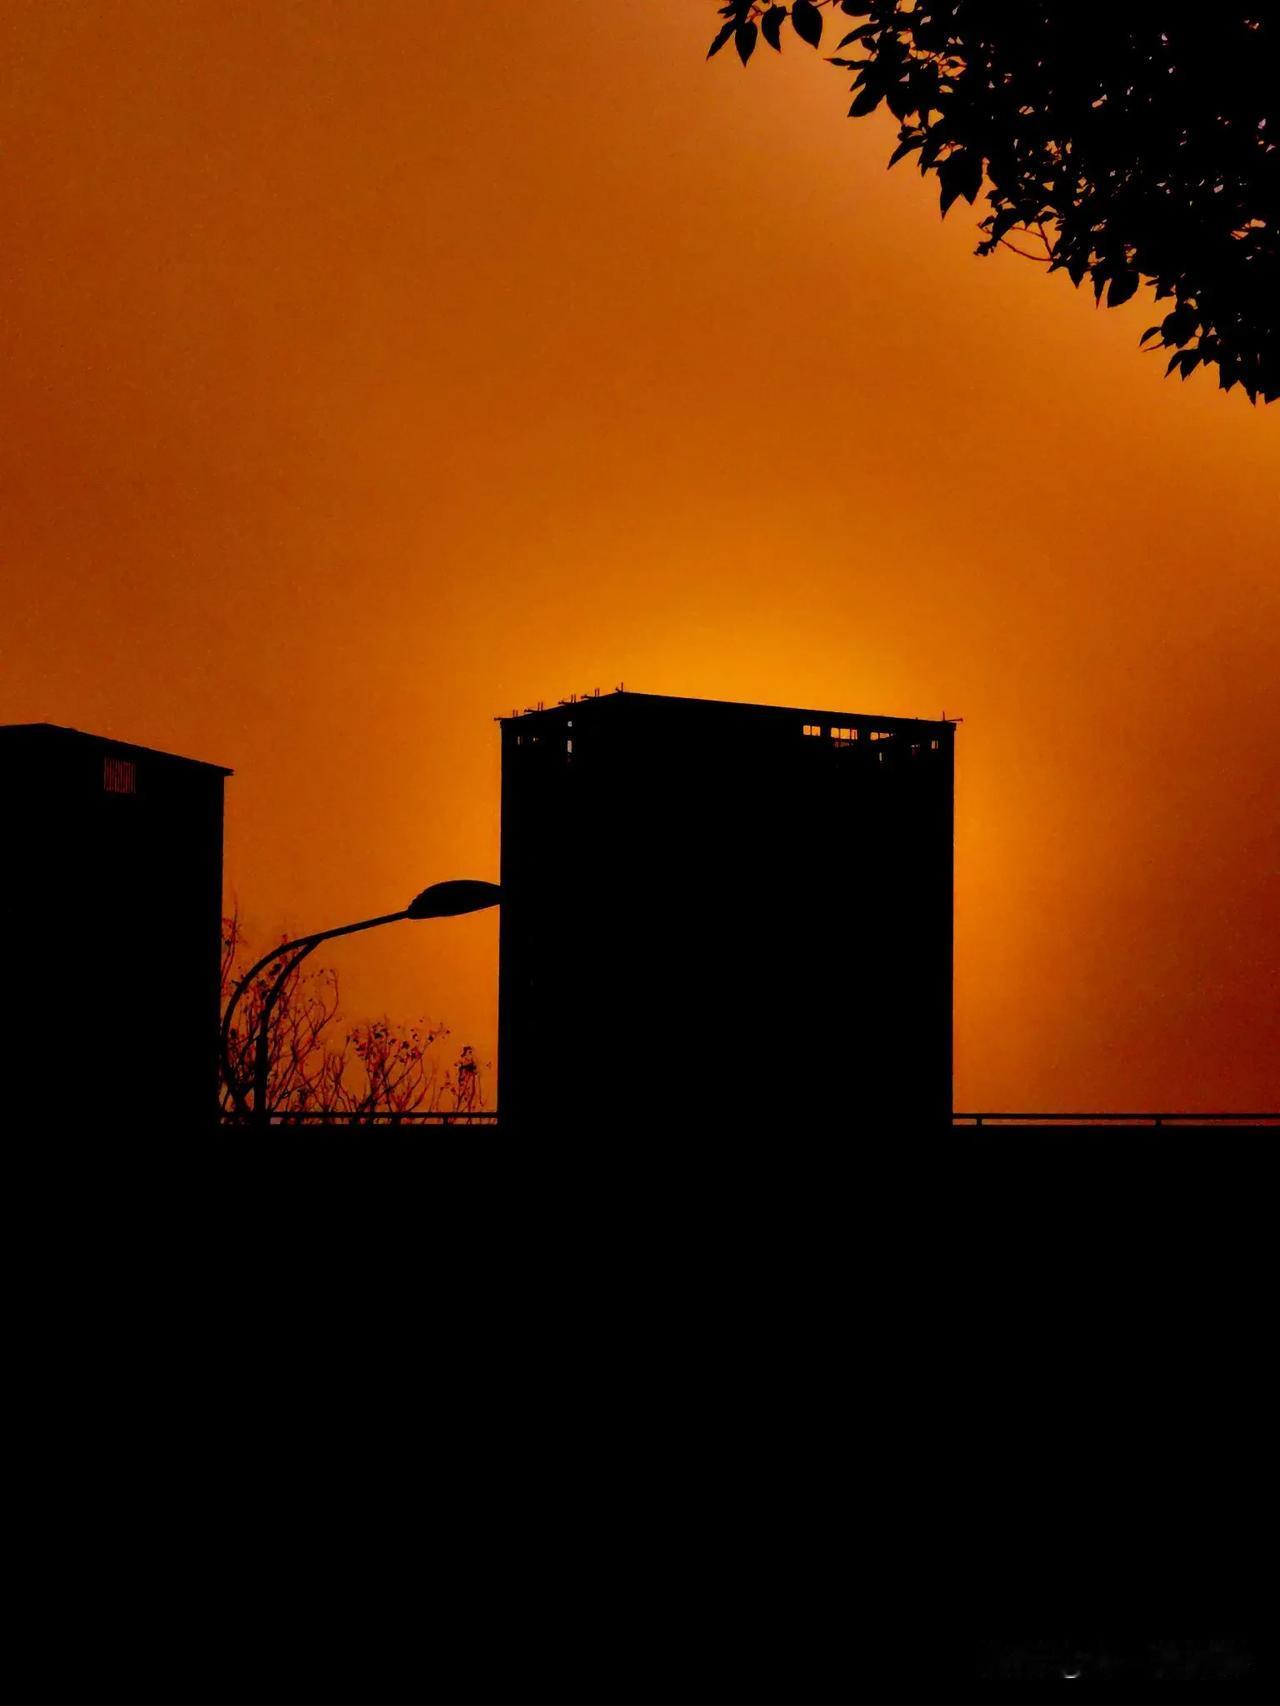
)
(447, 900)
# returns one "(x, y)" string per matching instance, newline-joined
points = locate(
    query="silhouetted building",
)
(722, 917)
(111, 899)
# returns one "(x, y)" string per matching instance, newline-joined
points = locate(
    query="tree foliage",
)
(1118, 142)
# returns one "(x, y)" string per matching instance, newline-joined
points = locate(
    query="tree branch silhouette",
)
(1145, 138)
(371, 1071)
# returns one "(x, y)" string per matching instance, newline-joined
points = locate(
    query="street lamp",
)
(441, 900)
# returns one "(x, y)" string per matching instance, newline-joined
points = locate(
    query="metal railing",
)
(1115, 1119)
(454, 1117)
(986, 1119)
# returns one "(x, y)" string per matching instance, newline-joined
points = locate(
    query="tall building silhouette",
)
(110, 908)
(724, 918)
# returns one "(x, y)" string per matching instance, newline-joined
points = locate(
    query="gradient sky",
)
(370, 367)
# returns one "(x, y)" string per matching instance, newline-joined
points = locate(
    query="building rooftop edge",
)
(596, 699)
(60, 730)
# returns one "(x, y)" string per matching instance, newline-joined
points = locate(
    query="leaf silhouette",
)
(806, 21)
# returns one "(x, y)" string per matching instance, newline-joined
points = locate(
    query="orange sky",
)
(368, 369)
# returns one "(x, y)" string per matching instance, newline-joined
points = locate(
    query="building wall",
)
(714, 920)
(110, 890)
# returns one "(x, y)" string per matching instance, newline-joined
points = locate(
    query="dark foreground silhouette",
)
(1115, 1374)
(1187, 1659)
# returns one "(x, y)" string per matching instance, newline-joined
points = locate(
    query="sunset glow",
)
(369, 371)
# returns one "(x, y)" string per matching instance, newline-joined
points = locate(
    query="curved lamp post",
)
(441, 900)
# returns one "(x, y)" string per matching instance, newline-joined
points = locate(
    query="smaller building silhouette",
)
(721, 918)
(110, 923)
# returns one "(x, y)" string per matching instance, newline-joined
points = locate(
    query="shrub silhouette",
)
(368, 1071)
